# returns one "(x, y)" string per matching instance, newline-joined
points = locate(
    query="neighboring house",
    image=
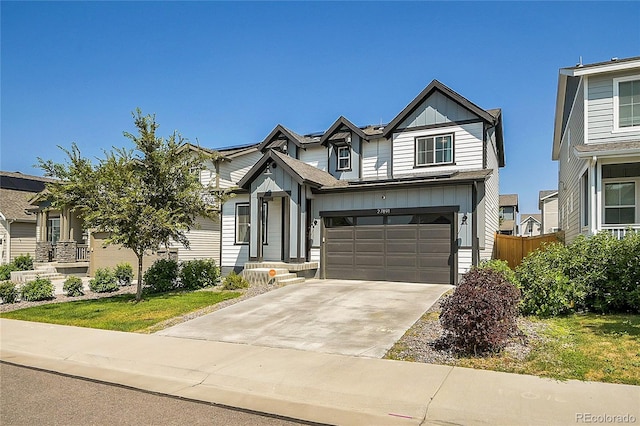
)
(530, 224)
(548, 205)
(17, 223)
(414, 200)
(597, 144)
(508, 214)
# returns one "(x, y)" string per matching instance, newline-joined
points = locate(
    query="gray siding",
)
(315, 156)
(570, 170)
(600, 110)
(354, 172)
(437, 109)
(467, 151)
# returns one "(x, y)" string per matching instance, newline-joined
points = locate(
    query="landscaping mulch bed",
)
(423, 341)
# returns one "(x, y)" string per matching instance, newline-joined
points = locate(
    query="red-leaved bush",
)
(481, 314)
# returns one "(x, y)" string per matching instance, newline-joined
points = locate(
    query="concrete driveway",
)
(361, 318)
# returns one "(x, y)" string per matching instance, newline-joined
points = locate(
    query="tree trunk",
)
(139, 289)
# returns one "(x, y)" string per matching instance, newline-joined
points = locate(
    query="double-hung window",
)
(626, 103)
(344, 158)
(434, 150)
(620, 202)
(242, 223)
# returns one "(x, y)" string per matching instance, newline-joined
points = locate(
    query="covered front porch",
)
(60, 238)
(610, 191)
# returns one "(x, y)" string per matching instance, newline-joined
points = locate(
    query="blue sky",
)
(227, 73)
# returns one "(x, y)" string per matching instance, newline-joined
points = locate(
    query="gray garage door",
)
(413, 248)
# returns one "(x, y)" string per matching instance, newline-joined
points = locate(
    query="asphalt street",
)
(36, 397)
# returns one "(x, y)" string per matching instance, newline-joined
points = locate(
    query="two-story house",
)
(508, 214)
(548, 205)
(414, 200)
(597, 144)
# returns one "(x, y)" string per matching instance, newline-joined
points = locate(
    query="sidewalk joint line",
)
(426, 411)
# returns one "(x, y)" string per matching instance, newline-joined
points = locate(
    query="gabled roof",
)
(568, 82)
(508, 200)
(14, 205)
(340, 124)
(435, 85)
(547, 193)
(281, 130)
(302, 172)
(524, 217)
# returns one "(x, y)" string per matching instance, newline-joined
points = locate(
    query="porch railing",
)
(619, 231)
(82, 252)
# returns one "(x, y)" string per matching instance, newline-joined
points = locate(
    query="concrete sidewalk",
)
(324, 388)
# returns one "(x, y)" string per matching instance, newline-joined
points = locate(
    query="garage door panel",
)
(425, 247)
(342, 233)
(369, 234)
(411, 253)
(434, 260)
(406, 261)
(402, 233)
(428, 232)
(375, 247)
(369, 261)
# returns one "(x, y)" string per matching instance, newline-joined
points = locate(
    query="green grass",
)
(121, 313)
(602, 348)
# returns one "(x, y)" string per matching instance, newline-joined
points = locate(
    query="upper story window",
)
(344, 158)
(434, 150)
(507, 213)
(626, 103)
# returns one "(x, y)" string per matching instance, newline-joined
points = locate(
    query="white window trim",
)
(616, 105)
(444, 163)
(348, 157)
(636, 181)
(236, 223)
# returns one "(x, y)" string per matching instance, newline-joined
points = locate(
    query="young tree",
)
(142, 198)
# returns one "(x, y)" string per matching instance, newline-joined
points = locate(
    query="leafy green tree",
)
(143, 198)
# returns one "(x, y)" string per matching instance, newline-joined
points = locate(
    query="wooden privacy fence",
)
(513, 249)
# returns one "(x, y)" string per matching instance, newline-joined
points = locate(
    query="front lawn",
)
(122, 313)
(604, 348)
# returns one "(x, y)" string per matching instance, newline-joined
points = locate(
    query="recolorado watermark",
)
(604, 418)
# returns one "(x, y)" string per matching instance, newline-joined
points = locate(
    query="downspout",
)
(594, 190)
(475, 251)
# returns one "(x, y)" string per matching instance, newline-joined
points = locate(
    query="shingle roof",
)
(546, 192)
(21, 182)
(13, 205)
(508, 200)
(525, 216)
(609, 146)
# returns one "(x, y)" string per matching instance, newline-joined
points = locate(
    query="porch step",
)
(291, 267)
(26, 276)
(261, 276)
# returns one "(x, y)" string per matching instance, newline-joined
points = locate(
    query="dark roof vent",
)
(615, 58)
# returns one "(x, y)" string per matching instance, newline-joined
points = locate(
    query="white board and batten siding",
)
(376, 159)
(232, 254)
(467, 149)
(315, 156)
(600, 91)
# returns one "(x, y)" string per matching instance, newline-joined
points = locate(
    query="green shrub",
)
(73, 287)
(104, 281)
(23, 262)
(39, 289)
(234, 281)
(5, 271)
(8, 292)
(502, 267)
(162, 276)
(195, 274)
(546, 289)
(124, 273)
(623, 287)
(481, 314)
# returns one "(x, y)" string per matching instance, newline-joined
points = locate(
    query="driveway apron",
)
(361, 318)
